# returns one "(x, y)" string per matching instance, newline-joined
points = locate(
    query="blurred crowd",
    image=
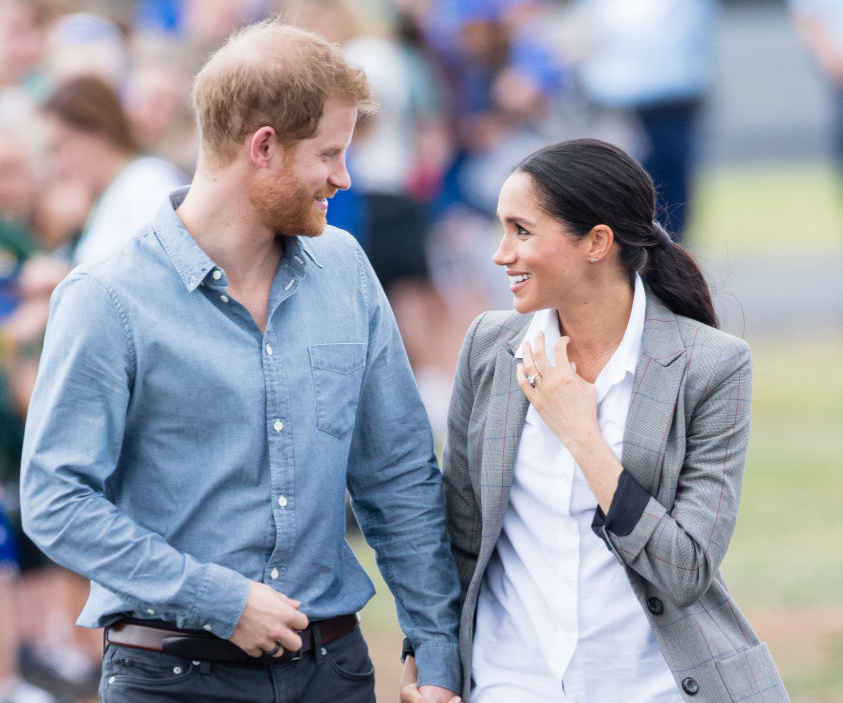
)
(96, 128)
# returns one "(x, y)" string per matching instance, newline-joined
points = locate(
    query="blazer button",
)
(690, 686)
(655, 605)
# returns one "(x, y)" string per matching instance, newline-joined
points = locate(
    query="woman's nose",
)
(504, 254)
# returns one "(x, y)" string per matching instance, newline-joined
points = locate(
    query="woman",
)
(596, 447)
(92, 148)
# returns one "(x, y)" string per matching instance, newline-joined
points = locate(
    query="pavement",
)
(769, 297)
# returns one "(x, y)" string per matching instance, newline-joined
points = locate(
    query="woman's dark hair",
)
(90, 105)
(586, 182)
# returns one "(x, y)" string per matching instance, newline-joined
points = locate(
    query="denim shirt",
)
(173, 453)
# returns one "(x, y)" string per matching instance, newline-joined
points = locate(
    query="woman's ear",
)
(261, 146)
(600, 240)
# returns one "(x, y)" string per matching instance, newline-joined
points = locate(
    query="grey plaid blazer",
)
(685, 444)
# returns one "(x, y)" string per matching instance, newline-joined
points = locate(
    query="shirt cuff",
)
(407, 649)
(439, 665)
(627, 507)
(219, 603)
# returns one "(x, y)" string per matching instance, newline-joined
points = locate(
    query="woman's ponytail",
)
(674, 276)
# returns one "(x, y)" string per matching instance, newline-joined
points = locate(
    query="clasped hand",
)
(565, 400)
(270, 623)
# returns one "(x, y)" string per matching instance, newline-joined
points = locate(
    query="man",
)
(206, 395)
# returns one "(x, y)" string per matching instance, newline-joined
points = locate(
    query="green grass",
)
(788, 547)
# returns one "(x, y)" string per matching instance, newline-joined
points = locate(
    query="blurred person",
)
(504, 74)
(23, 31)
(17, 245)
(90, 144)
(27, 277)
(157, 99)
(85, 44)
(820, 23)
(595, 456)
(201, 24)
(237, 363)
(501, 72)
(13, 689)
(654, 59)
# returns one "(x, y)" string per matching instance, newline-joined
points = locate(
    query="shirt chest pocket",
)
(337, 371)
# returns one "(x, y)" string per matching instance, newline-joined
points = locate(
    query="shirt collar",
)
(192, 264)
(623, 361)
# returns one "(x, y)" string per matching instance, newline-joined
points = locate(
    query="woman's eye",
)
(520, 230)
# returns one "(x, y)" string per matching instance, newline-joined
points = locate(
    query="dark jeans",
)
(339, 671)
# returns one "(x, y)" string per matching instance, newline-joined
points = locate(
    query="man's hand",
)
(269, 619)
(411, 693)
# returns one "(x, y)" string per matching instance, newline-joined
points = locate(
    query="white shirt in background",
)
(128, 203)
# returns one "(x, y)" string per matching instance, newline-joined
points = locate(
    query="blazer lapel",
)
(504, 423)
(656, 388)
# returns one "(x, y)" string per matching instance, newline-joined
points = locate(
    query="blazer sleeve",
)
(679, 548)
(462, 510)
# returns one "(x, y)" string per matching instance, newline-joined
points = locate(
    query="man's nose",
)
(340, 177)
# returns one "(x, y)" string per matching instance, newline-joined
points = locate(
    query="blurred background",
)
(735, 108)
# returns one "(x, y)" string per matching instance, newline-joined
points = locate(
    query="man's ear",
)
(262, 145)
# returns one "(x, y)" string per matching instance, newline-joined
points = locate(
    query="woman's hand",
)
(411, 693)
(566, 402)
(568, 405)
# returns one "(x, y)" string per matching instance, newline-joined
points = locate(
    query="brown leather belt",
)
(158, 636)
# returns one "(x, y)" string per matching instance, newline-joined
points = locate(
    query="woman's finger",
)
(540, 353)
(560, 351)
(523, 383)
(529, 358)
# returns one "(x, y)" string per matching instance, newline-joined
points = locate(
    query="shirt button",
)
(274, 574)
(206, 626)
(217, 274)
(176, 669)
(282, 501)
(278, 426)
(269, 350)
(224, 298)
(150, 611)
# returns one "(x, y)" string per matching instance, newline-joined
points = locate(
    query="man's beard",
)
(287, 207)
